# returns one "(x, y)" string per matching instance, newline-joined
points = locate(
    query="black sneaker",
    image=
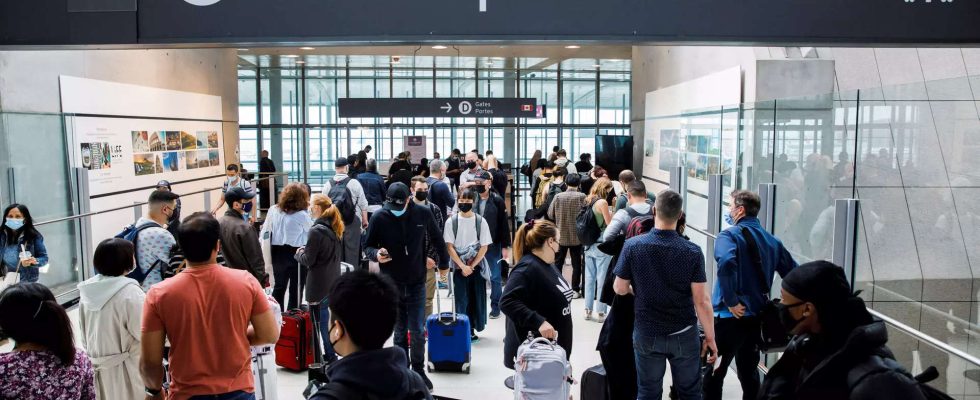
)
(474, 338)
(421, 372)
(494, 314)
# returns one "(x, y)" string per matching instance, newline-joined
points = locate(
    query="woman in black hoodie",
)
(537, 299)
(322, 256)
(839, 350)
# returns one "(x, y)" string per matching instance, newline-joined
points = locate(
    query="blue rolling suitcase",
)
(449, 339)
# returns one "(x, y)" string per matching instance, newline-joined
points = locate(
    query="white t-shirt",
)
(467, 232)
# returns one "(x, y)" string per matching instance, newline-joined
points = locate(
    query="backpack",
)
(586, 226)
(542, 370)
(639, 223)
(132, 234)
(526, 169)
(341, 197)
(880, 364)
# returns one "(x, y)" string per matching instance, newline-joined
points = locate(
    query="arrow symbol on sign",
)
(446, 107)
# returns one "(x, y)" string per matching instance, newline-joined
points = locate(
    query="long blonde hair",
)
(600, 189)
(329, 212)
(533, 235)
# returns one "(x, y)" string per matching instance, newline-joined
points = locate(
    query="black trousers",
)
(576, 264)
(736, 339)
(284, 269)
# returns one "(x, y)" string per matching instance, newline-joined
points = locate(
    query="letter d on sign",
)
(202, 2)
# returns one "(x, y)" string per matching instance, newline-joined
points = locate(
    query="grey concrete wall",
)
(29, 79)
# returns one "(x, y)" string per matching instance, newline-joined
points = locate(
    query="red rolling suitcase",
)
(294, 350)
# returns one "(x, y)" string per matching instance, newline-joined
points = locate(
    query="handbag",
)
(773, 336)
(9, 278)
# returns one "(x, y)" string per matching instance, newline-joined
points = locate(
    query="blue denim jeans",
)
(682, 351)
(493, 256)
(329, 355)
(237, 395)
(411, 306)
(596, 266)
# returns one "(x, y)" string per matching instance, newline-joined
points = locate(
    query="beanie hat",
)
(818, 282)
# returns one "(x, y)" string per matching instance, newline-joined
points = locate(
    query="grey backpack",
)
(542, 371)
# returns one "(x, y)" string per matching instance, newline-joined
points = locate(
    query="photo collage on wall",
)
(96, 156)
(698, 152)
(171, 151)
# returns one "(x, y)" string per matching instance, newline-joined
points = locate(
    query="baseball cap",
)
(236, 194)
(484, 175)
(341, 162)
(164, 183)
(397, 196)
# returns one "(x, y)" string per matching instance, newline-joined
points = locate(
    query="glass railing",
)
(910, 154)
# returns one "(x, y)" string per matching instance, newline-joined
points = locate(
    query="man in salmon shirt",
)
(211, 315)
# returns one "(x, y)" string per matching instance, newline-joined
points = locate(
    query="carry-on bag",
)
(594, 386)
(449, 338)
(294, 350)
(542, 371)
(264, 363)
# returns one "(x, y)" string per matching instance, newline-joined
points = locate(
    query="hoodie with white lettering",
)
(535, 293)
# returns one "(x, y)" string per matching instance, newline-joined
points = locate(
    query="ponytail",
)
(29, 313)
(329, 212)
(533, 235)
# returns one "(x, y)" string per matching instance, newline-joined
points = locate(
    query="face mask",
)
(231, 179)
(465, 207)
(554, 249)
(421, 195)
(547, 175)
(729, 219)
(470, 164)
(480, 189)
(14, 223)
(333, 343)
(786, 318)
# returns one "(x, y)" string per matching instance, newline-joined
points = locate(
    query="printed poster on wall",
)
(124, 153)
(417, 146)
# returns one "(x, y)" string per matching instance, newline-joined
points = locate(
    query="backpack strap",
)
(756, 256)
(479, 225)
(344, 182)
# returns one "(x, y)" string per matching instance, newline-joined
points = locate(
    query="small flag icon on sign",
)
(527, 107)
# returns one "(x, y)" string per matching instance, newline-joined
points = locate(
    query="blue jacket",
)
(738, 281)
(36, 247)
(441, 196)
(374, 187)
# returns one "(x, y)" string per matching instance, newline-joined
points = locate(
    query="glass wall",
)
(908, 154)
(292, 111)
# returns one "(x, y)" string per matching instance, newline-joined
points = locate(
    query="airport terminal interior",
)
(862, 145)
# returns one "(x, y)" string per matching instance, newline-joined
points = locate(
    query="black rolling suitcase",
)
(594, 384)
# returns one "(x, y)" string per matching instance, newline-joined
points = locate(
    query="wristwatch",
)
(152, 392)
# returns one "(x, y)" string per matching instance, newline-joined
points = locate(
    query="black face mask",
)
(470, 164)
(421, 195)
(786, 318)
(465, 207)
(547, 175)
(480, 189)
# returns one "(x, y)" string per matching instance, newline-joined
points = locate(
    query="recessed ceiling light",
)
(242, 49)
(573, 46)
(307, 48)
(596, 65)
(439, 47)
(301, 62)
(291, 56)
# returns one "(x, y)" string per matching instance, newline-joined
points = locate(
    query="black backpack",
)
(586, 227)
(341, 197)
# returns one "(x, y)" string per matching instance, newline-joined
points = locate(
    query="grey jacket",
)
(240, 246)
(322, 257)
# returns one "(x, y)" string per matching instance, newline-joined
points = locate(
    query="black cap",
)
(341, 162)
(485, 175)
(818, 282)
(398, 194)
(236, 193)
(164, 183)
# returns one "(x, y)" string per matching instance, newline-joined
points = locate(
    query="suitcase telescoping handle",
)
(449, 278)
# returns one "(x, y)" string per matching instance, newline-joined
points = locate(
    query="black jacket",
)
(322, 256)
(373, 374)
(404, 238)
(495, 214)
(535, 293)
(812, 369)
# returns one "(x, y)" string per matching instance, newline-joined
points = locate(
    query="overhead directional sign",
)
(442, 107)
